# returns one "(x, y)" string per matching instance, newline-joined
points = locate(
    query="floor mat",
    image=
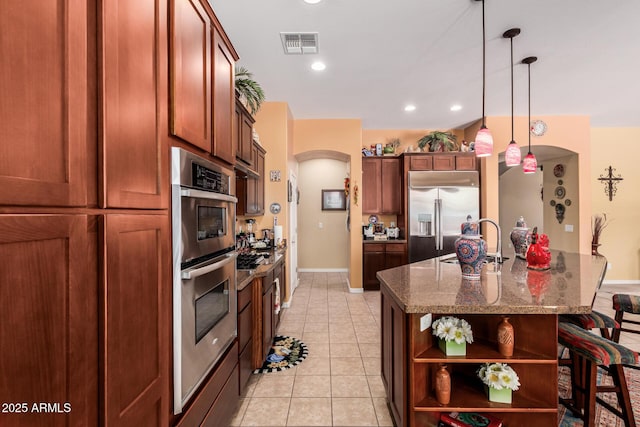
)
(285, 353)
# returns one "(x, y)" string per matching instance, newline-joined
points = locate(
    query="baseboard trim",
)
(286, 304)
(323, 270)
(356, 290)
(621, 282)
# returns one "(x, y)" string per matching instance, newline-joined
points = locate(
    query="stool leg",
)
(591, 371)
(615, 336)
(617, 374)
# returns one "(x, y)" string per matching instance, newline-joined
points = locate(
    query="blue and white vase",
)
(471, 250)
(520, 238)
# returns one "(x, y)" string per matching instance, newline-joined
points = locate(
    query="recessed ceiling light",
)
(456, 107)
(312, 1)
(318, 66)
(410, 107)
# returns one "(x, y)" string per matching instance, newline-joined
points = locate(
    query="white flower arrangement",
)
(451, 328)
(499, 376)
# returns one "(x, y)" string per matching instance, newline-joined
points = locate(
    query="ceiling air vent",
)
(299, 43)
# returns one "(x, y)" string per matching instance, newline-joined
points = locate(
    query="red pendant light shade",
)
(530, 164)
(512, 155)
(483, 145)
(484, 142)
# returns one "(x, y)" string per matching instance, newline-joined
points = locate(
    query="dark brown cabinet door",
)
(223, 100)
(259, 201)
(444, 162)
(49, 327)
(134, 91)
(135, 337)
(371, 198)
(372, 263)
(191, 73)
(391, 186)
(44, 103)
(244, 134)
(393, 330)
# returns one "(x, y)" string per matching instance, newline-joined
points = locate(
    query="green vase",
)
(500, 396)
(452, 348)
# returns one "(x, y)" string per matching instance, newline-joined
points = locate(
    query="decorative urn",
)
(538, 254)
(520, 238)
(471, 250)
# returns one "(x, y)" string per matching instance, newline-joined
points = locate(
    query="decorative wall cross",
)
(610, 182)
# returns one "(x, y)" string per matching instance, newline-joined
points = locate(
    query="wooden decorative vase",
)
(505, 337)
(443, 385)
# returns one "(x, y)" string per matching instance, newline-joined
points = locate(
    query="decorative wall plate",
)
(560, 182)
(552, 203)
(560, 192)
(567, 202)
(558, 170)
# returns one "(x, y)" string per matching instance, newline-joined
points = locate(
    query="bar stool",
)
(593, 320)
(587, 352)
(624, 303)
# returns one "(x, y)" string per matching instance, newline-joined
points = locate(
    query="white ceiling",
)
(383, 54)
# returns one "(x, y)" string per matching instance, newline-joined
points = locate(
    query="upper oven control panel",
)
(193, 171)
(208, 179)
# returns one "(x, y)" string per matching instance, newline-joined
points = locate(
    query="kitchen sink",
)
(489, 259)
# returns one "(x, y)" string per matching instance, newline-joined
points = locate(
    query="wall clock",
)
(538, 128)
(275, 208)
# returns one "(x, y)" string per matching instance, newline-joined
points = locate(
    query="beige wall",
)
(569, 132)
(322, 235)
(341, 136)
(619, 148)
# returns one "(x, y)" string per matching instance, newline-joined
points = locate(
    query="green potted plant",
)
(439, 141)
(249, 89)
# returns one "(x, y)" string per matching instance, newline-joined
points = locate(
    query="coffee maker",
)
(250, 234)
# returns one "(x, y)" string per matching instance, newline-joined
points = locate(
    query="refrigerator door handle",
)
(438, 226)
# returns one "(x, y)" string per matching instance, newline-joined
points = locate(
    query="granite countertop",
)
(244, 277)
(433, 286)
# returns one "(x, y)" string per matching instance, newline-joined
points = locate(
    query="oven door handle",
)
(197, 272)
(207, 195)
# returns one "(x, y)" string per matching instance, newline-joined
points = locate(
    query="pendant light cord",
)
(529, 122)
(512, 140)
(484, 67)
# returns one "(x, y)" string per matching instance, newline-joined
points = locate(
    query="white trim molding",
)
(621, 282)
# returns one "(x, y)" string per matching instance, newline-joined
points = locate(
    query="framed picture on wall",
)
(333, 200)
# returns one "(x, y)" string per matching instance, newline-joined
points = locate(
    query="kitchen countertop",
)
(244, 277)
(433, 286)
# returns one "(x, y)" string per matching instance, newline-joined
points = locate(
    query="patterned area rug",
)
(285, 353)
(604, 418)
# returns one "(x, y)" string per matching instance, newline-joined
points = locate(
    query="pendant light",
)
(512, 154)
(483, 146)
(529, 164)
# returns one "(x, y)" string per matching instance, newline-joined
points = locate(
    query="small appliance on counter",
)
(393, 232)
(250, 234)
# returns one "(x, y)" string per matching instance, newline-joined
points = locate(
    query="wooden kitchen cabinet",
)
(49, 327)
(268, 330)
(135, 299)
(381, 185)
(442, 161)
(245, 335)
(46, 77)
(191, 73)
(380, 256)
(250, 188)
(223, 100)
(394, 357)
(243, 135)
(134, 73)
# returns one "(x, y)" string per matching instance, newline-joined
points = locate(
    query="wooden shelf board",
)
(480, 352)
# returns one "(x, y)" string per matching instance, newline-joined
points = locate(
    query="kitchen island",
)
(414, 295)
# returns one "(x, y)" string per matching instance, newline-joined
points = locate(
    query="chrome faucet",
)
(498, 255)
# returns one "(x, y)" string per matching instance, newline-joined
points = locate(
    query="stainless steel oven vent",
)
(299, 43)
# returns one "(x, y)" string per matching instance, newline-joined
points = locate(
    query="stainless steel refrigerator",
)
(438, 203)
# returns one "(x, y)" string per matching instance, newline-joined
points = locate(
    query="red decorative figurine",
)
(538, 254)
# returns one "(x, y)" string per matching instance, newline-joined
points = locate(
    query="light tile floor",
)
(339, 383)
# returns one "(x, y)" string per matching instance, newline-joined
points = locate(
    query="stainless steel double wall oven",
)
(204, 269)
